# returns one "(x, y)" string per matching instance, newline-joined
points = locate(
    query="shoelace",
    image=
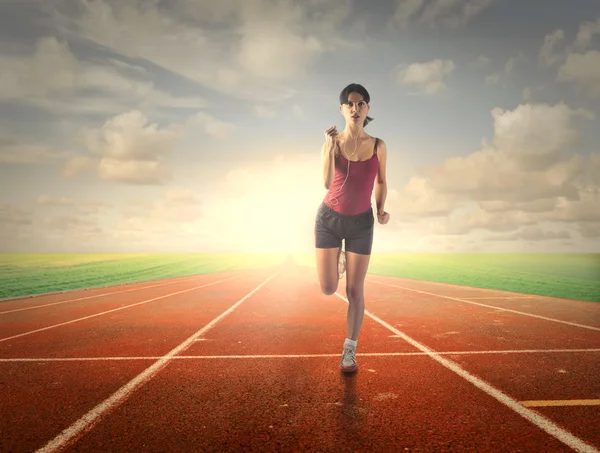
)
(349, 352)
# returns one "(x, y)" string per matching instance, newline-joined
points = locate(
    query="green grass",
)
(573, 276)
(28, 274)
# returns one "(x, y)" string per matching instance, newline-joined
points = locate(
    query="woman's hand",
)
(383, 217)
(330, 139)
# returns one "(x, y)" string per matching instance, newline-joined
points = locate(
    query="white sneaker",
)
(341, 264)
(348, 363)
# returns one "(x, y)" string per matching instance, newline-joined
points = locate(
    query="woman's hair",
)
(356, 88)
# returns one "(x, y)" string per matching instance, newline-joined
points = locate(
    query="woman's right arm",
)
(328, 156)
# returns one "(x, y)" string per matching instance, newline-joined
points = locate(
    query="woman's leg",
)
(327, 269)
(358, 256)
(328, 243)
(356, 272)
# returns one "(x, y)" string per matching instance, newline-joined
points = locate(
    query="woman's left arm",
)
(381, 184)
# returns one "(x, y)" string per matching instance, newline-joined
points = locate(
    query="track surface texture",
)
(248, 361)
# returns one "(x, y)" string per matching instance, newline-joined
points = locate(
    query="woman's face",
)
(355, 109)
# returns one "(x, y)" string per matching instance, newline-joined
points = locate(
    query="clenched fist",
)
(383, 217)
(330, 138)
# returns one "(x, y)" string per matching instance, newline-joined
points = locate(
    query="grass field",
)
(574, 276)
(25, 274)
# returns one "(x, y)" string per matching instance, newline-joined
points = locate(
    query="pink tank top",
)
(355, 195)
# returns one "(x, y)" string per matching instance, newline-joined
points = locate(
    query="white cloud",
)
(538, 132)
(579, 65)
(584, 70)
(130, 136)
(527, 175)
(437, 13)
(428, 77)
(127, 149)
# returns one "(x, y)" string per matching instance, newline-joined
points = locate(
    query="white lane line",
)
(499, 297)
(97, 295)
(540, 421)
(491, 306)
(291, 356)
(89, 420)
(113, 310)
(556, 403)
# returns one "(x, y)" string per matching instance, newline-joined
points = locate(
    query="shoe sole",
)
(349, 369)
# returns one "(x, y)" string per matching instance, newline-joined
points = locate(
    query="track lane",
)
(562, 375)
(447, 324)
(410, 402)
(151, 327)
(567, 310)
(76, 387)
(298, 319)
(23, 323)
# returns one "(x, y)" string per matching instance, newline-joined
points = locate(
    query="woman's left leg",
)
(356, 272)
(358, 255)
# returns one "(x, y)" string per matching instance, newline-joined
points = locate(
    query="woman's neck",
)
(354, 131)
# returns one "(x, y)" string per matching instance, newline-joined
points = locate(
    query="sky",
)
(186, 126)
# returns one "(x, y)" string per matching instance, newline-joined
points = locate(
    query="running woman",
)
(353, 163)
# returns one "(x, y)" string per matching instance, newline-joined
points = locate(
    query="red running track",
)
(248, 361)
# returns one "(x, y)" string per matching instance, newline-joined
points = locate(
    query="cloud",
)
(528, 174)
(580, 66)
(583, 70)
(419, 199)
(502, 76)
(438, 13)
(587, 30)
(537, 133)
(547, 55)
(127, 148)
(53, 78)
(238, 58)
(428, 77)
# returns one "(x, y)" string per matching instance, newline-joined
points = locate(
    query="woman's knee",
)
(329, 288)
(355, 293)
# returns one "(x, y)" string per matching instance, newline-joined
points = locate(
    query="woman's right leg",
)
(327, 269)
(328, 244)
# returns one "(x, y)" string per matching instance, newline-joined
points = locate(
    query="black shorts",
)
(357, 230)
